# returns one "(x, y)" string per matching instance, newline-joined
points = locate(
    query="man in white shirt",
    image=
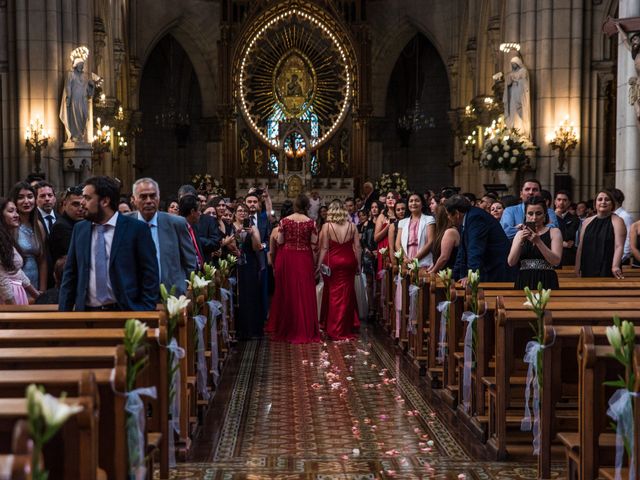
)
(618, 196)
(46, 203)
(350, 207)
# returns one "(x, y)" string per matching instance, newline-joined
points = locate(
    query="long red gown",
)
(339, 307)
(294, 313)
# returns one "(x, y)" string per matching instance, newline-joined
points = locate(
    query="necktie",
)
(102, 294)
(195, 245)
(49, 220)
(253, 220)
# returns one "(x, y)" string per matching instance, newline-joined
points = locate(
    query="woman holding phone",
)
(537, 248)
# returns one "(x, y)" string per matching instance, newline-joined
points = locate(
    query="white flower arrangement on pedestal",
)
(504, 149)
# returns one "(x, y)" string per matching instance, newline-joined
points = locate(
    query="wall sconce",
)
(102, 137)
(36, 138)
(564, 139)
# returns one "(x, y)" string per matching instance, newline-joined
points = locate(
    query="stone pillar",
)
(628, 130)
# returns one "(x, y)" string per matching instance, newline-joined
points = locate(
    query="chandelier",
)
(414, 118)
(171, 117)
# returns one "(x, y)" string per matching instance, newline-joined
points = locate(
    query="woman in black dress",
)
(537, 247)
(601, 241)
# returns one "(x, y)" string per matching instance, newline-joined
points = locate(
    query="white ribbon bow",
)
(469, 317)
(621, 410)
(398, 304)
(215, 310)
(382, 274)
(174, 408)
(531, 357)
(225, 295)
(201, 322)
(413, 307)
(136, 430)
(443, 308)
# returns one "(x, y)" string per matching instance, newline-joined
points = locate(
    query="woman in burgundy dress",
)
(340, 255)
(294, 313)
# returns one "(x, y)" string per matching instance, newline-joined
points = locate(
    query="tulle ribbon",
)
(232, 284)
(621, 411)
(469, 317)
(201, 322)
(443, 308)
(531, 357)
(215, 310)
(136, 430)
(174, 408)
(398, 304)
(413, 309)
(225, 296)
(382, 275)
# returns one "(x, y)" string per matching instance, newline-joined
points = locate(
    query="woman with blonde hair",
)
(339, 262)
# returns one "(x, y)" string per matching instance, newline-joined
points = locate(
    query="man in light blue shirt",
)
(514, 216)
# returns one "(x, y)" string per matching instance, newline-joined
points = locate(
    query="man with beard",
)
(261, 222)
(112, 263)
(72, 213)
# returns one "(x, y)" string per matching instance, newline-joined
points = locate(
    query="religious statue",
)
(517, 107)
(244, 153)
(258, 161)
(293, 87)
(74, 108)
(633, 45)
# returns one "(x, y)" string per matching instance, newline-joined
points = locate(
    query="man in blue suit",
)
(513, 216)
(111, 263)
(260, 219)
(483, 244)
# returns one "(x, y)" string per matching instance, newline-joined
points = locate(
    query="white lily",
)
(198, 282)
(176, 305)
(55, 412)
(398, 254)
(445, 275)
(383, 250)
(614, 337)
(232, 260)
(473, 277)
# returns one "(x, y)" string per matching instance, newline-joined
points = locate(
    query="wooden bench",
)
(513, 331)
(73, 452)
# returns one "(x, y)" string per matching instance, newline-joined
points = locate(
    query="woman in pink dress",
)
(294, 313)
(14, 284)
(339, 262)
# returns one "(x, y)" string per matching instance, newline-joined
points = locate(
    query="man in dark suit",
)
(72, 213)
(569, 224)
(189, 209)
(175, 251)
(112, 263)
(259, 218)
(483, 244)
(207, 229)
(46, 203)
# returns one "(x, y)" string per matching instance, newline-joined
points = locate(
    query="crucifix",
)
(629, 31)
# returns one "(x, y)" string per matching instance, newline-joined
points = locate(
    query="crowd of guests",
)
(91, 248)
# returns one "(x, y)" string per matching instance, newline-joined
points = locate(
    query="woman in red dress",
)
(340, 252)
(294, 313)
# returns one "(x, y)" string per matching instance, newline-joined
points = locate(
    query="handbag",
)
(360, 284)
(319, 292)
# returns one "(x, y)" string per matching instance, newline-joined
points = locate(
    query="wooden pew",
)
(17, 464)
(513, 331)
(153, 375)
(72, 453)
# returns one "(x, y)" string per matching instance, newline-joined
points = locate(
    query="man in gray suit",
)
(176, 254)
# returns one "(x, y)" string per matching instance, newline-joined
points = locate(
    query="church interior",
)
(295, 96)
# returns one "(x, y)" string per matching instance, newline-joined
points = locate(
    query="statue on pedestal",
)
(516, 98)
(633, 45)
(74, 108)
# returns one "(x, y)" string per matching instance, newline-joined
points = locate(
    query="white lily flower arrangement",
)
(383, 251)
(399, 254)
(46, 414)
(446, 276)
(175, 306)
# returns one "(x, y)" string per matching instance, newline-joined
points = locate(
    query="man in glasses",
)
(72, 213)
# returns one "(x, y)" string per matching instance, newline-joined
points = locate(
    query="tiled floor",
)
(340, 410)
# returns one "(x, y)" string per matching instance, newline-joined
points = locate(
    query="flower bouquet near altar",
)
(393, 181)
(207, 185)
(504, 149)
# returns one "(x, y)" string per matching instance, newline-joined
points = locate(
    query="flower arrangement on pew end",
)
(199, 287)
(175, 307)
(45, 416)
(622, 338)
(446, 277)
(414, 271)
(504, 149)
(537, 302)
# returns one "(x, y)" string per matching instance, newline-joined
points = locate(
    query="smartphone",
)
(246, 223)
(531, 226)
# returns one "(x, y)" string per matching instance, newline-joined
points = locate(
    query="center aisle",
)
(339, 410)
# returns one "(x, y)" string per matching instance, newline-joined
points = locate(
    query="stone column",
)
(628, 130)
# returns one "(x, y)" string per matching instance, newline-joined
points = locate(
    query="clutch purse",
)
(325, 270)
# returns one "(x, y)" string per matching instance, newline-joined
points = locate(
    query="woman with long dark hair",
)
(416, 233)
(385, 219)
(294, 313)
(14, 284)
(30, 236)
(445, 243)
